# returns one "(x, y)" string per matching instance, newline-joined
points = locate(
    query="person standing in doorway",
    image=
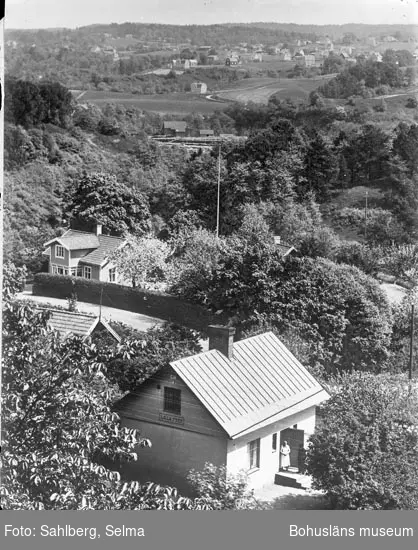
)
(285, 454)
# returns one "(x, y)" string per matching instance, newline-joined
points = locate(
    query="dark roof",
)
(285, 249)
(107, 245)
(177, 125)
(79, 324)
(262, 384)
(100, 246)
(76, 240)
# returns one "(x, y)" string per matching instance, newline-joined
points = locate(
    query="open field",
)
(257, 90)
(175, 103)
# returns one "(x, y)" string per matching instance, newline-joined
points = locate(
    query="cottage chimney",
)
(222, 339)
(99, 229)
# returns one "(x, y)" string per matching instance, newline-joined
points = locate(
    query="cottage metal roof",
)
(74, 323)
(107, 245)
(262, 384)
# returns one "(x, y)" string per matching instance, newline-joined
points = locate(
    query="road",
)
(135, 320)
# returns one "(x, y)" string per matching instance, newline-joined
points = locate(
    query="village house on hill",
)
(83, 254)
(233, 405)
(175, 128)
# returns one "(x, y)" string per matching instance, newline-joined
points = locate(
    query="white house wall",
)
(237, 454)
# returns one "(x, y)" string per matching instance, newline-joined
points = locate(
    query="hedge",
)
(155, 304)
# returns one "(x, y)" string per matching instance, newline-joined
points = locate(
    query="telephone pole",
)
(365, 218)
(219, 191)
(411, 344)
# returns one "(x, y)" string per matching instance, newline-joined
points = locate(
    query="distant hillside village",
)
(164, 52)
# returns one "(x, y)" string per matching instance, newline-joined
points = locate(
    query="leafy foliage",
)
(364, 456)
(100, 198)
(14, 279)
(229, 492)
(143, 260)
(58, 426)
(137, 359)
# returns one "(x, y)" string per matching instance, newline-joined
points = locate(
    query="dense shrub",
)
(365, 455)
(154, 304)
(229, 492)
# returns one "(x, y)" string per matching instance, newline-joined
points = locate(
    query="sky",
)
(77, 13)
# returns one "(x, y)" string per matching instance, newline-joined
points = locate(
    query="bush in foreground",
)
(365, 455)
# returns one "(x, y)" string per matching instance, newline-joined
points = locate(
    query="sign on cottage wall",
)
(172, 419)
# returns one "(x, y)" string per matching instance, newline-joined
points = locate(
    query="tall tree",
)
(100, 198)
(320, 167)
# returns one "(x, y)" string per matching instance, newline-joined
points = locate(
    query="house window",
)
(254, 453)
(59, 269)
(76, 271)
(172, 400)
(59, 251)
(274, 443)
(87, 272)
(112, 275)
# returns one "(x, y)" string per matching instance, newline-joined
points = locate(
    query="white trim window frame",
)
(87, 272)
(254, 454)
(76, 272)
(112, 275)
(59, 251)
(57, 269)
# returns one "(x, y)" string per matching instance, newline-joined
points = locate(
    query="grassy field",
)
(257, 90)
(175, 103)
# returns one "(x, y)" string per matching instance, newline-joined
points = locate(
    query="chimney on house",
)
(222, 339)
(98, 229)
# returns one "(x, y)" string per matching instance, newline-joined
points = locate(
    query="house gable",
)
(146, 404)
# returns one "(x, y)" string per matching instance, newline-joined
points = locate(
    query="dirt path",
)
(135, 320)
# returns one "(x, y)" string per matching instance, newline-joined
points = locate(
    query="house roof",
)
(80, 324)
(177, 125)
(206, 132)
(101, 246)
(262, 384)
(285, 249)
(76, 240)
(107, 245)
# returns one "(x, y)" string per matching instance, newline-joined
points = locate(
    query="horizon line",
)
(212, 25)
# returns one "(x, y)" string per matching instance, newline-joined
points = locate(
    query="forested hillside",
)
(304, 173)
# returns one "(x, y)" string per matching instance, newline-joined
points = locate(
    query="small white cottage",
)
(233, 405)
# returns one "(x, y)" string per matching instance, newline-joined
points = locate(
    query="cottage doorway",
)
(295, 440)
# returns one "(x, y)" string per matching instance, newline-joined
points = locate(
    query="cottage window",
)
(274, 443)
(172, 400)
(254, 453)
(112, 275)
(59, 251)
(87, 272)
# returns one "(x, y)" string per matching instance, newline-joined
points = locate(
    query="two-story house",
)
(82, 254)
(233, 405)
